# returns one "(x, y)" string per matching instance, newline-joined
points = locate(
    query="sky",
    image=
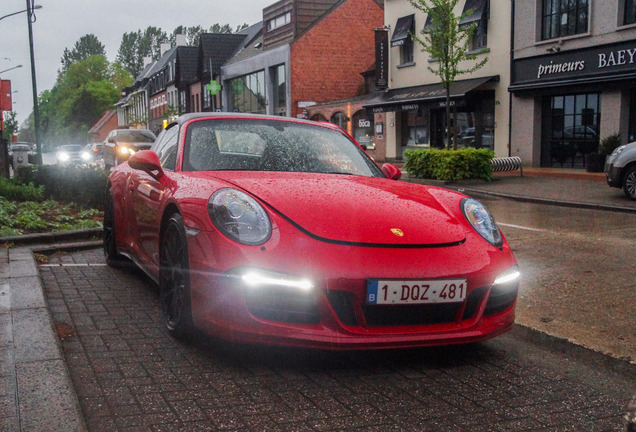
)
(61, 23)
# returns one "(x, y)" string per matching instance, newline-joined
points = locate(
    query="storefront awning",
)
(402, 28)
(478, 8)
(408, 98)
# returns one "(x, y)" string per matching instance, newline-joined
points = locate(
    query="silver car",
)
(620, 169)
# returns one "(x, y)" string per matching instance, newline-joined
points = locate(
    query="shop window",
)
(340, 120)
(247, 93)
(629, 12)
(415, 129)
(564, 18)
(363, 129)
(574, 122)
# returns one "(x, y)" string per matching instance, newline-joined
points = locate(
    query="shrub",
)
(83, 185)
(16, 191)
(609, 143)
(461, 164)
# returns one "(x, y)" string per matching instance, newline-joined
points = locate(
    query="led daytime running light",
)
(510, 275)
(255, 279)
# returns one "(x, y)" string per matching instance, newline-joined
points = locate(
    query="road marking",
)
(520, 227)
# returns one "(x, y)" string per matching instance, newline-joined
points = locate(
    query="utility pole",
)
(36, 111)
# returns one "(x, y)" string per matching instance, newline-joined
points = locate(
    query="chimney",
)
(164, 47)
(181, 40)
(147, 61)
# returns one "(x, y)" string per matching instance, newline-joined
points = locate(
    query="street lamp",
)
(19, 12)
(14, 67)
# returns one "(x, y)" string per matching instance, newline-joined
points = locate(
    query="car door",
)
(148, 195)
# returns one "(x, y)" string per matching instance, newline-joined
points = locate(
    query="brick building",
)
(302, 56)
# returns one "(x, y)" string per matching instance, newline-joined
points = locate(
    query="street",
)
(129, 374)
(574, 262)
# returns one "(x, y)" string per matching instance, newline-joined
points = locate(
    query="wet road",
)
(577, 272)
(131, 376)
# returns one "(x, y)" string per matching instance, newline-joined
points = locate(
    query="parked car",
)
(92, 153)
(120, 144)
(280, 231)
(620, 169)
(70, 154)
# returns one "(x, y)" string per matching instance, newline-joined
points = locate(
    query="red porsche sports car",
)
(280, 231)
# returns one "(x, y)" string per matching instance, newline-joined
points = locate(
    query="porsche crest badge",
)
(398, 232)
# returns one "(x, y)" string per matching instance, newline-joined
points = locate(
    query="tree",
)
(135, 46)
(10, 125)
(448, 44)
(85, 47)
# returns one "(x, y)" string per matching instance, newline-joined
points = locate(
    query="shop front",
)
(416, 116)
(565, 103)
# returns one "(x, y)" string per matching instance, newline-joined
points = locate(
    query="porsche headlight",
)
(481, 219)
(239, 216)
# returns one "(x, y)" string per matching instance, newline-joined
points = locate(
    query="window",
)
(280, 90)
(279, 21)
(247, 93)
(479, 16)
(402, 38)
(363, 131)
(574, 126)
(564, 18)
(340, 120)
(630, 12)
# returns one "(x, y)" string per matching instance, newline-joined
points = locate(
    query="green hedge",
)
(461, 164)
(83, 185)
(15, 191)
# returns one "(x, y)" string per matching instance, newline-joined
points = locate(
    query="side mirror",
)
(147, 161)
(111, 140)
(391, 171)
(364, 147)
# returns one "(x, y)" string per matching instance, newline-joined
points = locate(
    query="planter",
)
(594, 162)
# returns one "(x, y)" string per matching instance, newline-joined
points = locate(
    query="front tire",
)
(629, 183)
(174, 278)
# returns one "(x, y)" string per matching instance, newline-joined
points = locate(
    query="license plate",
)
(415, 292)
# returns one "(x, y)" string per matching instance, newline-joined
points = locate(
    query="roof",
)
(100, 123)
(187, 63)
(217, 48)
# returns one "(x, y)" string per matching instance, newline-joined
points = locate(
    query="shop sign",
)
(593, 62)
(381, 58)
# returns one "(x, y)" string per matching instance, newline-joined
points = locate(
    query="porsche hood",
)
(357, 210)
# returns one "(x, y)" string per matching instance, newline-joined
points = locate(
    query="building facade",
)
(307, 52)
(573, 78)
(414, 105)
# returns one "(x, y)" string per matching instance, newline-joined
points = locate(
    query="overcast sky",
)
(61, 23)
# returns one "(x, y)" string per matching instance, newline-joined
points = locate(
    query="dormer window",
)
(279, 21)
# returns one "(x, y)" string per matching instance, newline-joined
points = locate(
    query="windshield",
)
(272, 145)
(136, 136)
(20, 147)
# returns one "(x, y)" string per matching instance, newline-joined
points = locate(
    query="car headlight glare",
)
(510, 275)
(239, 216)
(63, 156)
(86, 156)
(255, 278)
(482, 221)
